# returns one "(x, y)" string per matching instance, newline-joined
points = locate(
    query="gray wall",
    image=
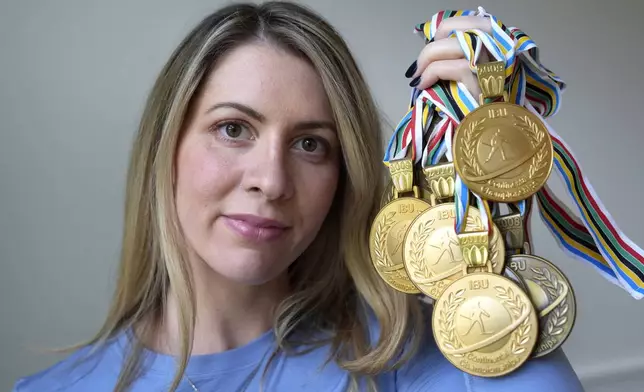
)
(74, 75)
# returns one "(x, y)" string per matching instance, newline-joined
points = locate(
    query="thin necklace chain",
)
(247, 381)
(194, 388)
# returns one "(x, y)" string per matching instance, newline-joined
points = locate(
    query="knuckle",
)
(463, 65)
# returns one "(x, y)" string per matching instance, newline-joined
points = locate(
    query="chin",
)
(246, 266)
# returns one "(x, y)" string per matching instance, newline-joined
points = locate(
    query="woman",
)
(250, 193)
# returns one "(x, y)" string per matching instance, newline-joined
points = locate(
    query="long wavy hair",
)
(335, 288)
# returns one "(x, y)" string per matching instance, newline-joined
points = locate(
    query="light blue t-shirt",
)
(428, 371)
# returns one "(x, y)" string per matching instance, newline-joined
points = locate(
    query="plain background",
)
(74, 76)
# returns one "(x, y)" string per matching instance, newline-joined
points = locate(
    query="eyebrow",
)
(238, 106)
(301, 126)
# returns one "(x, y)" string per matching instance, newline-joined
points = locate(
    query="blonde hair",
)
(335, 287)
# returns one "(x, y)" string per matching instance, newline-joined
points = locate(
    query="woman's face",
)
(258, 164)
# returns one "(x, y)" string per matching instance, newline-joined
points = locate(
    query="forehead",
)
(269, 79)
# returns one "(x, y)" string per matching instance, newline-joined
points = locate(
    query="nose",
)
(267, 171)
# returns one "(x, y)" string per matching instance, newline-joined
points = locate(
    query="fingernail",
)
(430, 41)
(415, 82)
(411, 70)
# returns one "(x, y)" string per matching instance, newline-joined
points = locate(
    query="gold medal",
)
(553, 297)
(389, 228)
(484, 323)
(432, 255)
(502, 151)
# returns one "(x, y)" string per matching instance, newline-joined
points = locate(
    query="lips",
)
(255, 228)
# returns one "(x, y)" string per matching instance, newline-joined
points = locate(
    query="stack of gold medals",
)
(496, 305)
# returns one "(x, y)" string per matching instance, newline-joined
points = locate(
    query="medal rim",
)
(522, 283)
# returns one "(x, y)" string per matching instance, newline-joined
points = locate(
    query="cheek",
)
(319, 189)
(203, 177)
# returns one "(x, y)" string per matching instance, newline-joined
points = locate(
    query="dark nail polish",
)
(415, 82)
(411, 70)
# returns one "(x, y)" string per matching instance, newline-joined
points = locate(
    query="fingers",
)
(445, 49)
(462, 23)
(443, 58)
(456, 70)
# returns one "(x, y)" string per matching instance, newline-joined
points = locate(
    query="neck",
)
(228, 314)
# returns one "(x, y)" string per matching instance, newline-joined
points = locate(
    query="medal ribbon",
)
(598, 240)
(542, 88)
(623, 256)
(571, 234)
(399, 141)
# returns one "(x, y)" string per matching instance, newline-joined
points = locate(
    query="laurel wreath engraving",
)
(469, 147)
(380, 238)
(446, 320)
(517, 307)
(419, 237)
(388, 194)
(559, 315)
(536, 136)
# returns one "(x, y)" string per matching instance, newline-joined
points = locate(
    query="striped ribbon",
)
(595, 238)
(570, 232)
(410, 131)
(619, 258)
(543, 87)
(398, 144)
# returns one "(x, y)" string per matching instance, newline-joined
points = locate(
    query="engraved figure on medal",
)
(497, 144)
(448, 243)
(475, 318)
(395, 241)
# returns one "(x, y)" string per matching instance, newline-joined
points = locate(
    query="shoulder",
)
(549, 373)
(428, 370)
(95, 366)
